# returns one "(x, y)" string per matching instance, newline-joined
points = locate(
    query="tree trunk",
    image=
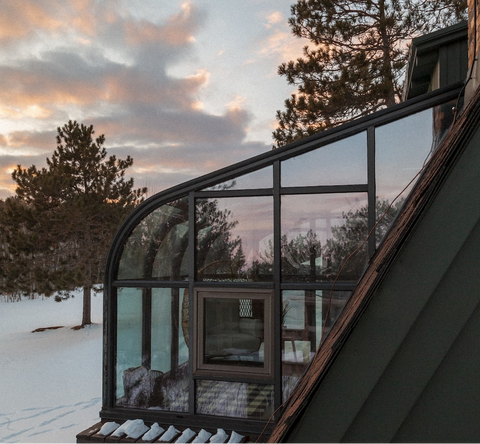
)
(87, 305)
(87, 282)
(387, 70)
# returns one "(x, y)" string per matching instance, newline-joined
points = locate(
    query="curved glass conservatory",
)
(219, 291)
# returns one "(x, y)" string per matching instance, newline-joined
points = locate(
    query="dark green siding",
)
(453, 60)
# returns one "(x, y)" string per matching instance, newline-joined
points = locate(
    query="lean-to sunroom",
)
(219, 291)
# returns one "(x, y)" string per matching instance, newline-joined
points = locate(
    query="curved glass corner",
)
(157, 247)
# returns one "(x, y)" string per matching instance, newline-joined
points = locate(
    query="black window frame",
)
(202, 369)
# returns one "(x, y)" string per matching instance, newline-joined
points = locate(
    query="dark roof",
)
(433, 176)
(446, 47)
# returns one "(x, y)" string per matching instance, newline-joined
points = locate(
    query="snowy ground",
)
(50, 381)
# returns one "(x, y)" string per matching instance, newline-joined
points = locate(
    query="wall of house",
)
(473, 48)
(410, 369)
(452, 59)
(471, 30)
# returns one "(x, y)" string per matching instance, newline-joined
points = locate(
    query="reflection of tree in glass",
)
(347, 238)
(218, 252)
(157, 246)
(262, 267)
(389, 213)
(304, 259)
(299, 257)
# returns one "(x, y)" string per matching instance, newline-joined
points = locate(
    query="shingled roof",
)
(433, 176)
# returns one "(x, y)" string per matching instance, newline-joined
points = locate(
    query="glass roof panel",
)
(233, 235)
(340, 163)
(402, 149)
(319, 232)
(157, 247)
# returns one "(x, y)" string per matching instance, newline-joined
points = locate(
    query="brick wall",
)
(471, 30)
(473, 49)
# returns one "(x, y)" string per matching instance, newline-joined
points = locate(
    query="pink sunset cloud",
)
(100, 63)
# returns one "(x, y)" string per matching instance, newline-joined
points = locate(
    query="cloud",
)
(274, 18)
(283, 45)
(162, 167)
(156, 165)
(68, 75)
(23, 148)
(33, 141)
(8, 162)
(178, 31)
(237, 104)
(33, 17)
(57, 79)
(142, 124)
(280, 42)
(96, 63)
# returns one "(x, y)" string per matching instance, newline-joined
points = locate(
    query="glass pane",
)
(234, 332)
(307, 317)
(169, 349)
(340, 163)
(443, 116)
(157, 247)
(258, 179)
(233, 236)
(129, 339)
(250, 400)
(319, 233)
(402, 149)
(156, 376)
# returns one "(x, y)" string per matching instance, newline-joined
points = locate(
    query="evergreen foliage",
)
(355, 60)
(219, 253)
(344, 255)
(58, 228)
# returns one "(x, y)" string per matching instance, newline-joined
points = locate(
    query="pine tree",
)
(355, 61)
(68, 213)
(25, 252)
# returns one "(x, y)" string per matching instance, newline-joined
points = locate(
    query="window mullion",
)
(277, 313)
(371, 189)
(191, 310)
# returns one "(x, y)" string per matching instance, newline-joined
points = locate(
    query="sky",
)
(184, 87)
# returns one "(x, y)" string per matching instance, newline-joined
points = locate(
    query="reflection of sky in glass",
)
(318, 212)
(258, 179)
(255, 223)
(129, 333)
(161, 329)
(401, 150)
(340, 163)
